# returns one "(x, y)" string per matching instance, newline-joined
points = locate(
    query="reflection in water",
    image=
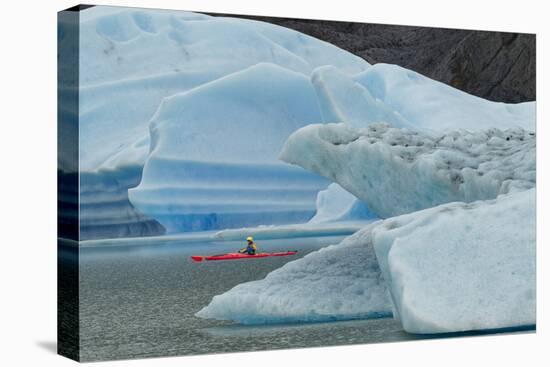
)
(382, 329)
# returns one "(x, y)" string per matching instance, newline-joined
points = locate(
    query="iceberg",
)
(456, 254)
(461, 266)
(454, 267)
(130, 55)
(406, 99)
(214, 165)
(132, 59)
(397, 171)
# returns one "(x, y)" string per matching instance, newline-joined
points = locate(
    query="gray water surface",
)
(140, 301)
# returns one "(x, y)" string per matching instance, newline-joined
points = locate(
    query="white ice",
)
(404, 98)
(396, 171)
(462, 267)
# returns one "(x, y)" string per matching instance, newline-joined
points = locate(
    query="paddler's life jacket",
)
(250, 249)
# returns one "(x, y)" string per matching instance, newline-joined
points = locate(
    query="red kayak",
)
(237, 256)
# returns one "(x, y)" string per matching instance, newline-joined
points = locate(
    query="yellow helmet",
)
(249, 238)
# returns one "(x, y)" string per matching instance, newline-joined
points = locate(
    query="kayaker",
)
(250, 248)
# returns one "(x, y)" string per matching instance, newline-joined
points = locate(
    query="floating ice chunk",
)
(396, 171)
(460, 266)
(404, 98)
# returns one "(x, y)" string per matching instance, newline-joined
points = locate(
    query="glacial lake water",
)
(140, 301)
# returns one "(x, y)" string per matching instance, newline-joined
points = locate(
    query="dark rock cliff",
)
(497, 66)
